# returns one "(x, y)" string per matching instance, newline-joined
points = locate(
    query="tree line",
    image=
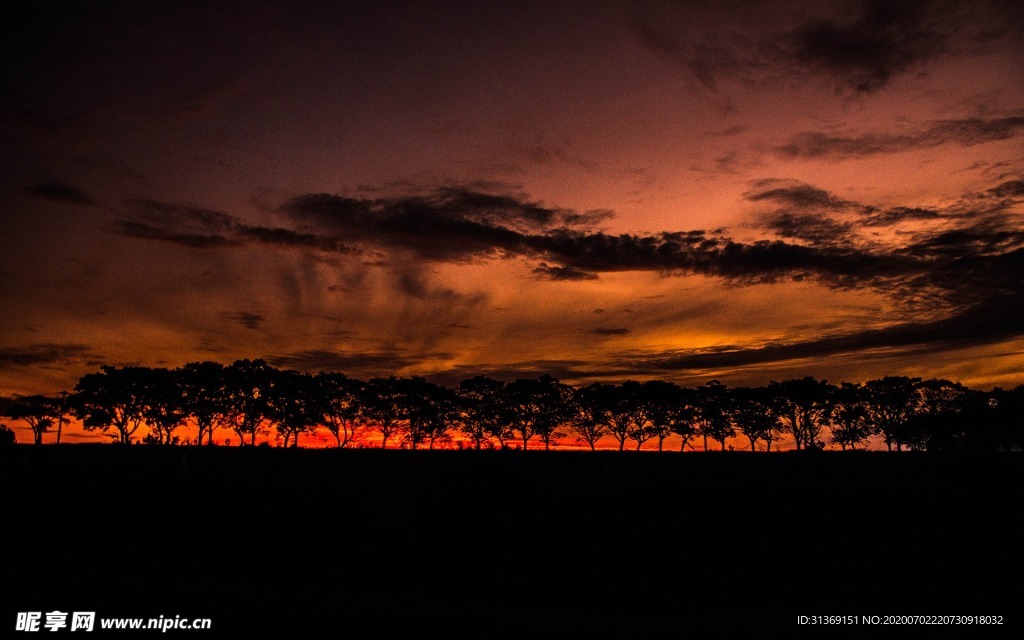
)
(250, 398)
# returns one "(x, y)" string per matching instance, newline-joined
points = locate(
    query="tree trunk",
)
(705, 442)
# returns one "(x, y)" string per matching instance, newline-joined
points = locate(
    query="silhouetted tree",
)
(1007, 420)
(804, 406)
(754, 415)
(114, 398)
(849, 417)
(444, 414)
(713, 413)
(638, 407)
(340, 405)
(247, 384)
(164, 403)
(590, 413)
(667, 404)
(620, 415)
(7, 436)
(427, 408)
(383, 407)
(939, 422)
(555, 405)
(38, 412)
(205, 397)
(62, 412)
(889, 403)
(293, 404)
(537, 407)
(482, 412)
(683, 417)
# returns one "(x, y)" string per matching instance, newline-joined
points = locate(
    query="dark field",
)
(363, 543)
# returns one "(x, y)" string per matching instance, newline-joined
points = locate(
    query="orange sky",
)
(494, 189)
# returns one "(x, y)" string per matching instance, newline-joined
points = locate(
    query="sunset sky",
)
(595, 190)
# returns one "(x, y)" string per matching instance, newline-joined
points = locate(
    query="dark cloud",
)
(569, 371)
(1009, 189)
(134, 229)
(793, 193)
(815, 229)
(554, 272)
(777, 43)
(685, 253)
(45, 354)
(413, 282)
(363, 363)
(897, 215)
(966, 132)
(611, 332)
(289, 238)
(205, 229)
(887, 39)
(988, 323)
(172, 220)
(967, 252)
(62, 193)
(541, 151)
(453, 225)
(450, 224)
(670, 30)
(808, 212)
(966, 258)
(244, 318)
(804, 212)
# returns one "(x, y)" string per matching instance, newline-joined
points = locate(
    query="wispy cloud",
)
(887, 39)
(617, 331)
(46, 354)
(245, 318)
(966, 132)
(363, 362)
(62, 192)
(778, 43)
